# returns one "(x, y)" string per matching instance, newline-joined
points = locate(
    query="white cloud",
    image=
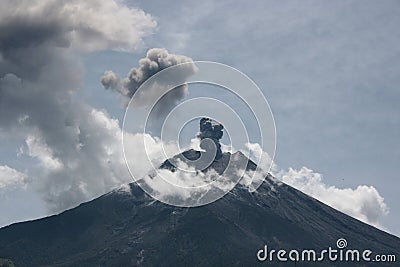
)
(38, 149)
(364, 202)
(11, 177)
(92, 162)
(89, 25)
(108, 25)
(142, 159)
(255, 152)
(188, 188)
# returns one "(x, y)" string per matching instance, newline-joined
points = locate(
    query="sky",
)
(329, 70)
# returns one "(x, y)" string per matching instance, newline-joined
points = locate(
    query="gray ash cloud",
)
(156, 60)
(75, 145)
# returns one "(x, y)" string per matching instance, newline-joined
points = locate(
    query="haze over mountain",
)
(127, 227)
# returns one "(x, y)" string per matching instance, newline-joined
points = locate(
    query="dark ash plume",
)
(211, 130)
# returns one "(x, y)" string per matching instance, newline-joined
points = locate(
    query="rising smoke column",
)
(211, 130)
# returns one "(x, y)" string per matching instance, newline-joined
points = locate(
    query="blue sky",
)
(330, 71)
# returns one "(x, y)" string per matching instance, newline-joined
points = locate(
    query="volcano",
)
(127, 227)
